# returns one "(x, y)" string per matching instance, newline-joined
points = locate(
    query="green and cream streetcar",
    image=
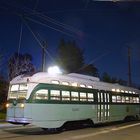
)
(49, 101)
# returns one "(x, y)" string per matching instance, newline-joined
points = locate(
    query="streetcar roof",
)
(43, 77)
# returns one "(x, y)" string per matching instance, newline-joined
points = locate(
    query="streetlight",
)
(54, 70)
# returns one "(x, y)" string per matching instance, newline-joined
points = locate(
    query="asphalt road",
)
(121, 131)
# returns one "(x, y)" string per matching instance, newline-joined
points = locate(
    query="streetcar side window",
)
(55, 94)
(41, 94)
(127, 99)
(74, 84)
(65, 83)
(131, 99)
(137, 99)
(119, 99)
(83, 96)
(55, 82)
(65, 96)
(123, 99)
(89, 87)
(74, 96)
(113, 99)
(90, 97)
(82, 85)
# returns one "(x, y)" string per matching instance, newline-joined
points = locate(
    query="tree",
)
(3, 92)
(70, 56)
(122, 82)
(1, 60)
(106, 77)
(114, 80)
(89, 70)
(20, 64)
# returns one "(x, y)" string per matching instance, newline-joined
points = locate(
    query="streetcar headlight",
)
(7, 105)
(22, 105)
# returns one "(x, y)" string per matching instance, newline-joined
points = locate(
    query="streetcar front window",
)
(17, 91)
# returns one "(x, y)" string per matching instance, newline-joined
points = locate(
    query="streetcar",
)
(50, 101)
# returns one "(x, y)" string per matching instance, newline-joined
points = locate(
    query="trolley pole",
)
(44, 56)
(129, 67)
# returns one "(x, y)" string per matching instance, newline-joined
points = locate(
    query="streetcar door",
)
(103, 108)
(99, 108)
(106, 107)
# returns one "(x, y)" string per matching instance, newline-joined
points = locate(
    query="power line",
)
(45, 17)
(52, 20)
(43, 24)
(92, 61)
(29, 28)
(20, 39)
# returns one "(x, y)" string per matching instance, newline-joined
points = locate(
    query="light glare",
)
(22, 105)
(54, 70)
(7, 105)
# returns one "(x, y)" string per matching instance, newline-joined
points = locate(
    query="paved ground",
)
(4, 125)
(121, 131)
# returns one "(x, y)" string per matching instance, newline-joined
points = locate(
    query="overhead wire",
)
(63, 25)
(19, 46)
(52, 20)
(38, 22)
(29, 28)
(33, 20)
(92, 61)
(45, 17)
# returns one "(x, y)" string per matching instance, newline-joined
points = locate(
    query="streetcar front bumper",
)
(23, 121)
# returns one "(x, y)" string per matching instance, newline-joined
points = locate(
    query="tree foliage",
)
(70, 56)
(1, 60)
(20, 64)
(107, 78)
(71, 59)
(89, 70)
(3, 92)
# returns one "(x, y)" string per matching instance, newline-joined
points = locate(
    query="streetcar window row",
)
(123, 91)
(81, 96)
(75, 84)
(63, 95)
(125, 99)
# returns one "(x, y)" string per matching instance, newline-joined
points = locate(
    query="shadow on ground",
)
(67, 127)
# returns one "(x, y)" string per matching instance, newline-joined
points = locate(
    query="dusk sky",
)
(103, 30)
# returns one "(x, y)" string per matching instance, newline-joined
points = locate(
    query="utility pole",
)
(129, 67)
(44, 56)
